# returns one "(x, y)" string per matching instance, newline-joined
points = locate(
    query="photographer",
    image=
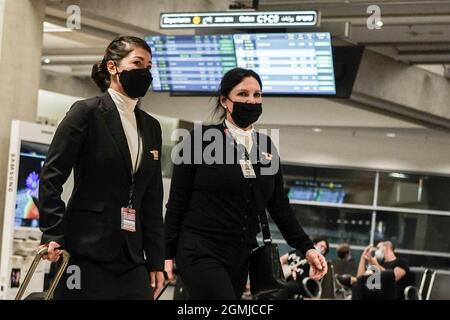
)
(394, 273)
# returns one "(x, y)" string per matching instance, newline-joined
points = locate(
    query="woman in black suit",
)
(211, 221)
(112, 225)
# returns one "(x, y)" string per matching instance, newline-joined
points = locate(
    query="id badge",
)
(128, 222)
(247, 169)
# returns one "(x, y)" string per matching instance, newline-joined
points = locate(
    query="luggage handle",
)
(166, 283)
(34, 264)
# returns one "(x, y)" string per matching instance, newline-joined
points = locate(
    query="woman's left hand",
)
(156, 282)
(318, 264)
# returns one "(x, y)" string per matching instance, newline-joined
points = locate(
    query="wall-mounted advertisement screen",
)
(288, 63)
(32, 157)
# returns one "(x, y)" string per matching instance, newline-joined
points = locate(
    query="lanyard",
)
(133, 171)
(239, 147)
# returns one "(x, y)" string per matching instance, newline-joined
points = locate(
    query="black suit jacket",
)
(216, 201)
(91, 140)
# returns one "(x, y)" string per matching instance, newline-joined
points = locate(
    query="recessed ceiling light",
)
(317, 130)
(50, 27)
(398, 175)
(391, 135)
(380, 23)
(47, 60)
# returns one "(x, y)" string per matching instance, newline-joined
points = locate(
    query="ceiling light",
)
(380, 23)
(47, 60)
(398, 175)
(391, 135)
(50, 27)
(317, 130)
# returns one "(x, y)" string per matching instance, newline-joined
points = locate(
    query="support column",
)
(21, 24)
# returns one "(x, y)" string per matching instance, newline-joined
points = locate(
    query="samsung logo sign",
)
(239, 19)
(11, 172)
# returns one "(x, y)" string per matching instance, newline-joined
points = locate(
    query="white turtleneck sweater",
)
(241, 136)
(126, 105)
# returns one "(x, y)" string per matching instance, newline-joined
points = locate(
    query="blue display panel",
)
(288, 63)
(317, 191)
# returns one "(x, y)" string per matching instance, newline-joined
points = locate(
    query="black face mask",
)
(135, 82)
(245, 114)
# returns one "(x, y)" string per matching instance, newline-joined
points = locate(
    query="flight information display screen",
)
(288, 63)
(191, 63)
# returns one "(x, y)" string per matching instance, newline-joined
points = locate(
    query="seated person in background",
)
(394, 273)
(344, 264)
(298, 269)
(343, 252)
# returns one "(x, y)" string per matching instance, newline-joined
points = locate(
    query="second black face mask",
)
(245, 114)
(135, 82)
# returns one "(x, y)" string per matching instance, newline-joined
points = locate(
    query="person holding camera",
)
(381, 275)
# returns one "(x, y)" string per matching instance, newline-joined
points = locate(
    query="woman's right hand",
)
(168, 268)
(53, 251)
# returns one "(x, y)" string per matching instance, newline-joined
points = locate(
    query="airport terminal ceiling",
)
(415, 33)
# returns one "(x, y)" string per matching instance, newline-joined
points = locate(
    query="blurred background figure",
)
(299, 270)
(390, 284)
(344, 263)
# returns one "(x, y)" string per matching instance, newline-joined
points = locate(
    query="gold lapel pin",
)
(155, 154)
(267, 155)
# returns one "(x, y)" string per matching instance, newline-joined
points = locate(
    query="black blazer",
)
(216, 201)
(91, 140)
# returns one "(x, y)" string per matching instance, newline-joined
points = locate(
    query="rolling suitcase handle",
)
(166, 284)
(34, 264)
(162, 290)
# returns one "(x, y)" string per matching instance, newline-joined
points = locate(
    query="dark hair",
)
(318, 239)
(118, 49)
(230, 80)
(343, 250)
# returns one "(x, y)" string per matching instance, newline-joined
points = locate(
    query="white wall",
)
(276, 110)
(54, 105)
(350, 137)
(408, 152)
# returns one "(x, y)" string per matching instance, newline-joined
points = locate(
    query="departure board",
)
(288, 63)
(191, 63)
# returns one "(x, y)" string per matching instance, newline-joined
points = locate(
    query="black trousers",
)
(212, 269)
(85, 279)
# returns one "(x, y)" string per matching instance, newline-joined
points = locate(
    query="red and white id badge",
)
(128, 222)
(247, 169)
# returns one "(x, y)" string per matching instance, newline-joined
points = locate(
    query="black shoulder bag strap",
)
(259, 203)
